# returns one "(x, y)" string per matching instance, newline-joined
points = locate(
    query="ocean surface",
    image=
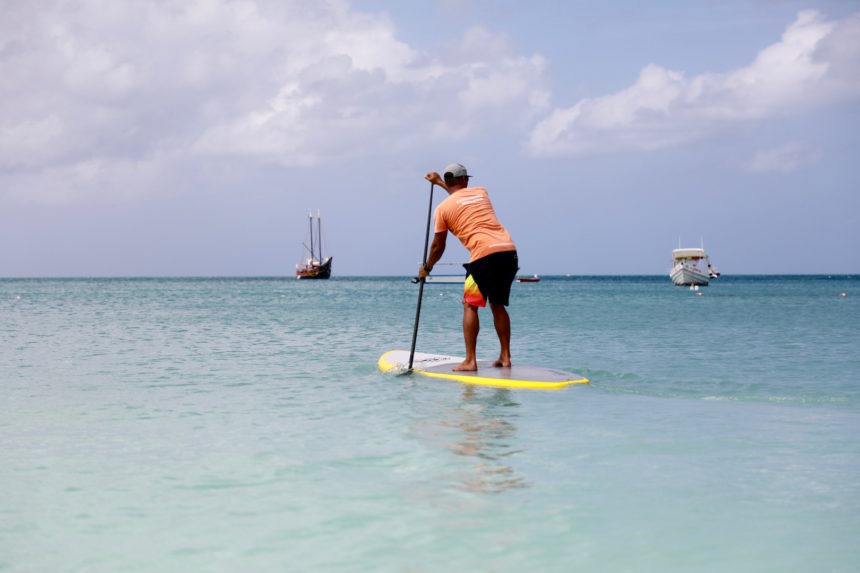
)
(242, 425)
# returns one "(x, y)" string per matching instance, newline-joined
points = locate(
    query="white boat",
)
(449, 277)
(713, 272)
(687, 267)
(446, 279)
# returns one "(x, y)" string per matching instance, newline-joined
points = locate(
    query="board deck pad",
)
(516, 376)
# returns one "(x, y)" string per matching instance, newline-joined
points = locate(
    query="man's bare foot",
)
(466, 366)
(501, 363)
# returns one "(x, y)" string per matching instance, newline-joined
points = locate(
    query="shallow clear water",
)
(241, 424)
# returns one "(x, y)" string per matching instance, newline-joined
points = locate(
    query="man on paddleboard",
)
(493, 264)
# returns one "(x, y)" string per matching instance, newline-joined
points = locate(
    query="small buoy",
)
(18, 297)
(843, 294)
(700, 293)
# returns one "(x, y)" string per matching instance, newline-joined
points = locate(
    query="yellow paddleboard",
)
(517, 376)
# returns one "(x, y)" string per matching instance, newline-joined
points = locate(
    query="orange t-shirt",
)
(469, 214)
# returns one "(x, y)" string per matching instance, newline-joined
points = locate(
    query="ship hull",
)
(315, 271)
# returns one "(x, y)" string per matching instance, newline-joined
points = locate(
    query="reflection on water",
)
(482, 429)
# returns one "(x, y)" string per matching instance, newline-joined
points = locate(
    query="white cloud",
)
(114, 98)
(106, 181)
(119, 84)
(783, 159)
(815, 63)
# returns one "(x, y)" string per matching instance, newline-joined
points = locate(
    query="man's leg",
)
(502, 322)
(470, 334)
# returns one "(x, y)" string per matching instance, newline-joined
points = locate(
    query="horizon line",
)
(407, 276)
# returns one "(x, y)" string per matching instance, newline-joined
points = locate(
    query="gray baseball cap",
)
(454, 170)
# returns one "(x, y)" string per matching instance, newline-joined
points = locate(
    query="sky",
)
(191, 138)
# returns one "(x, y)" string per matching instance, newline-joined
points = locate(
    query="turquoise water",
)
(242, 425)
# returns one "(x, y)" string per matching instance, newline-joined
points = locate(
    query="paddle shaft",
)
(421, 286)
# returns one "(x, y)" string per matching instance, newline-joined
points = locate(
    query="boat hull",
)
(315, 271)
(688, 275)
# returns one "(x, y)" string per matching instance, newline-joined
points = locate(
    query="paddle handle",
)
(421, 286)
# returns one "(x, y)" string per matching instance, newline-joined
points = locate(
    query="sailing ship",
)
(312, 265)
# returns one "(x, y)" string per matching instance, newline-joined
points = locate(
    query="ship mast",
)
(319, 235)
(311, 229)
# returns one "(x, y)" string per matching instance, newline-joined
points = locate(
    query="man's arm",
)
(434, 178)
(436, 251)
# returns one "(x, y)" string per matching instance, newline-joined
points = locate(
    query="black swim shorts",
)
(493, 276)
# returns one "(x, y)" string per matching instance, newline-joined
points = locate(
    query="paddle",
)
(421, 286)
